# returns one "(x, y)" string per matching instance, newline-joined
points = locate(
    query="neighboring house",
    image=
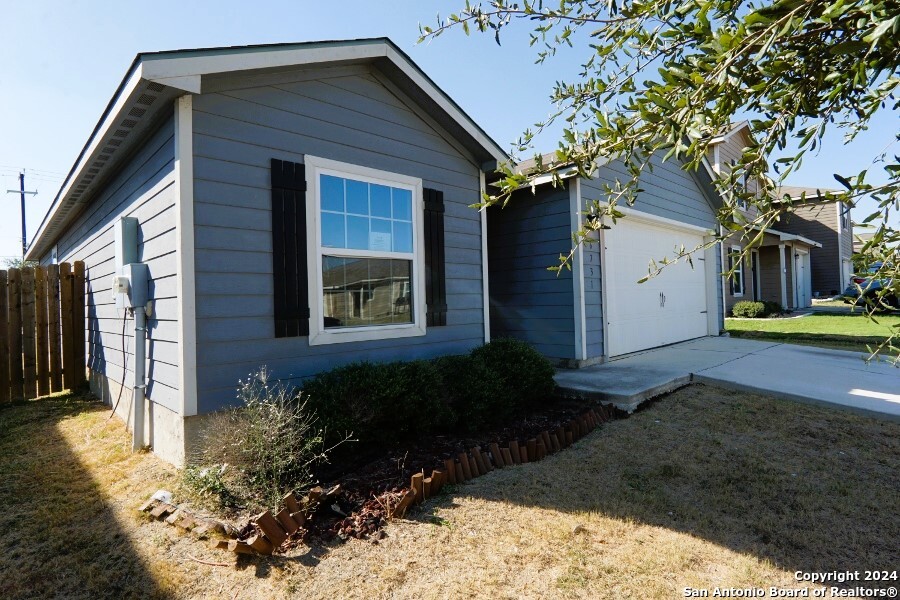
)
(598, 310)
(827, 222)
(860, 239)
(778, 269)
(299, 206)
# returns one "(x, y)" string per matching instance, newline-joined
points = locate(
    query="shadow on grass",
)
(853, 343)
(808, 488)
(60, 540)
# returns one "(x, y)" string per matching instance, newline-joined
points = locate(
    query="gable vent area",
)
(124, 129)
(144, 108)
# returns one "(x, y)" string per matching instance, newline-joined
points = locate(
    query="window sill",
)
(364, 334)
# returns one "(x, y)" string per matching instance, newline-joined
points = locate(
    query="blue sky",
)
(61, 61)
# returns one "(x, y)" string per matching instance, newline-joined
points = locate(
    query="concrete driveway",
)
(803, 373)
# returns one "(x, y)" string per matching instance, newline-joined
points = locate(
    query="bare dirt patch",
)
(702, 488)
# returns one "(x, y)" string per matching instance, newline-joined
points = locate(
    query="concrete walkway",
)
(804, 373)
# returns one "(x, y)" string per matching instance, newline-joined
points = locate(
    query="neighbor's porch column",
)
(783, 275)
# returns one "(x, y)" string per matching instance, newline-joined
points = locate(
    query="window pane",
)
(402, 280)
(333, 230)
(357, 215)
(357, 197)
(381, 201)
(332, 191)
(403, 241)
(402, 204)
(335, 309)
(357, 233)
(363, 292)
(380, 236)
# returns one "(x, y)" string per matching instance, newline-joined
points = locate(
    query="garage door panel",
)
(637, 316)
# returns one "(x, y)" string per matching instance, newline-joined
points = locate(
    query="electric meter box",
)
(125, 245)
(138, 278)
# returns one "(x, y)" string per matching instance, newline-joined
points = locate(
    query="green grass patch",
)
(843, 331)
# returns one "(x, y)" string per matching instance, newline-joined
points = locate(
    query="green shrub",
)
(251, 455)
(526, 375)
(749, 309)
(773, 308)
(379, 403)
(476, 393)
(387, 403)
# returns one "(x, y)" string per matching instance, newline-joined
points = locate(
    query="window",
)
(366, 253)
(845, 217)
(737, 278)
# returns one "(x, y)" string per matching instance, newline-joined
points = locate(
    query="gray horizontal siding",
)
(343, 114)
(528, 302)
(668, 191)
(593, 301)
(145, 189)
(819, 222)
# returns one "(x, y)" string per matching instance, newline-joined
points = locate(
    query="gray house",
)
(812, 215)
(598, 310)
(298, 206)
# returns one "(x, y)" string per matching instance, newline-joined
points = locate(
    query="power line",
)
(44, 171)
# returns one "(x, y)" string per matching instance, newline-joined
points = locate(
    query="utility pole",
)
(21, 191)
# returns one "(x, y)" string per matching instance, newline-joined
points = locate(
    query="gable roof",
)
(731, 130)
(154, 79)
(810, 193)
(703, 177)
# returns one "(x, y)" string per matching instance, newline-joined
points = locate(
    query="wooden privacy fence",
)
(41, 330)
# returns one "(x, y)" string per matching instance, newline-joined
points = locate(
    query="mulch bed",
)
(369, 489)
(358, 502)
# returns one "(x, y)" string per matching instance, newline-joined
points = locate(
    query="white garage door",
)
(668, 308)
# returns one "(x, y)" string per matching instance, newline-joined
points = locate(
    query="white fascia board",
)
(176, 68)
(710, 168)
(87, 156)
(566, 172)
(548, 178)
(167, 67)
(789, 237)
(725, 136)
(188, 83)
(799, 238)
(446, 104)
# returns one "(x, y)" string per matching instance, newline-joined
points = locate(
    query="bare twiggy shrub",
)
(251, 455)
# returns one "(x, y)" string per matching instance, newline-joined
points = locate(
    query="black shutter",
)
(289, 249)
(731, 266)
(435, 280)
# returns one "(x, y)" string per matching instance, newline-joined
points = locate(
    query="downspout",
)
(138, 391)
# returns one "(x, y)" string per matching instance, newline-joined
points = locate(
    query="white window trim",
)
(318, 335)
(738, 273)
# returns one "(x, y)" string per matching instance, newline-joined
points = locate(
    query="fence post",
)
(79, 322)
(53, 326)
(40, 308)
(4, 340)
(65, 311)
(28, 334)
(15, 335)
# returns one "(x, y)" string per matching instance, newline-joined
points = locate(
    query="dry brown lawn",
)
(703, 488)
